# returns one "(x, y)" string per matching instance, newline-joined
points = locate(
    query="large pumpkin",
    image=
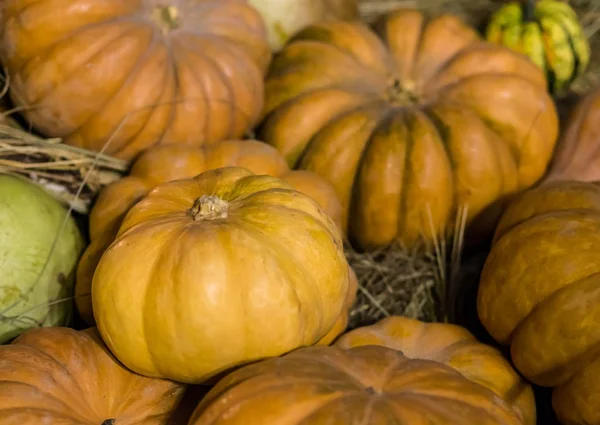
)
(363, 385)
(577, 155)
(540, 293)
(215, 271)
(164, 163)
(548, 32)
(40, 245)
(410, 125)
(120, 76)
(453, 346)
(61, 376)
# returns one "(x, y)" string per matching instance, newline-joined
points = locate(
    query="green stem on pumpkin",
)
(529, 10)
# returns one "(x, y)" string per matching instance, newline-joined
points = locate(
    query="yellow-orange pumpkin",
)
(577, 155)
(453, 346)
(372, 385)
(60, 376)
(164, 163)
(342, 322)
(411, 124)
(216, 271)
(540, 293)
(123, 75)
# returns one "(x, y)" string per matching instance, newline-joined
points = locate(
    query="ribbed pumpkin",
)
(577, 155)
(216, 271)
(410, 125)
(540, 293)
(165, 163)
(549, 33)
(60, 376)
(372, 385)
(453, 346)
(121, 76)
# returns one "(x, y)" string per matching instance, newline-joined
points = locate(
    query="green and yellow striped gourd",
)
(549, 32)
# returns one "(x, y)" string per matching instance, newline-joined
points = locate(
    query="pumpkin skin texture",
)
(410, 125)
(577, 155)
(216, 271)
(549, 33)
(453, 346)
(363, 385)
(60, 376)
(543, 268)
(189, 71)
(40, 245)
(342, 322)
(165, 163)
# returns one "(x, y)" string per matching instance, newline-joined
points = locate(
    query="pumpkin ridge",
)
(69, 36)
(229, 101)
(76, 69)
(44, 394)
(584, 358)
(274, 241)
(130, 76)
(232, 48)
(62, 367)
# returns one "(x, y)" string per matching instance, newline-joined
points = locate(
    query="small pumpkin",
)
(540, 293)
(410, 125)
(549, 33)
(40, 245)
(577, 155)
(284, 18)
(212, 272)
(372, 384)
(62, 376)
(120, 76)
(453, 346)
(164, 163)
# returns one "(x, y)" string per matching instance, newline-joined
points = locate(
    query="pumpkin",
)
(372, 385)
(40, 245)
(342, 322)
(286, 17)
(410, 125)
(540, 293)
(216, 271)
(577, 155)
(549, 33)
(453, 346)
(120, 76)
(164, 163)
(62, 376)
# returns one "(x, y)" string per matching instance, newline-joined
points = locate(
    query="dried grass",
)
(73, 175)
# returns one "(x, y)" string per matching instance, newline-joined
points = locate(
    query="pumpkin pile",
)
(208, 284)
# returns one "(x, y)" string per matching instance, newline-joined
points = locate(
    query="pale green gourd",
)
(36, 267)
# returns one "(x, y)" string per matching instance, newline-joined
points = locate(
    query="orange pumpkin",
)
(372, 385)
(540, 293)
(410, 125)
(172, 162)
(216, 271)
(121, 76)
(577, 155)
(453, 346)
(61, 376)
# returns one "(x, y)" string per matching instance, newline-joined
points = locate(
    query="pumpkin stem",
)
(208, 207)
(402, 93)
(109, 422)
(166, 17)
